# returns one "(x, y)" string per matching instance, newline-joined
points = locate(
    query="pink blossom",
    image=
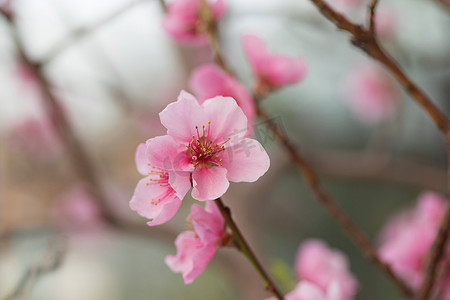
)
(196, 248)
(385, 22)
(272, 71)
(372, 96)
(35, 137)
(154, 197)
(325, 268)
(183, 20)
(407, 238)
(209, 81)
(76, 208)
(305, 291)
(207, 140)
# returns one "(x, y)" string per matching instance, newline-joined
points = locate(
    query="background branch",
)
(82, 32)
(313, 181)
(78, 156)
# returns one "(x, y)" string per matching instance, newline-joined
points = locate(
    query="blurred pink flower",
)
(36, 137)
(24, 73)
(372, 96)
(209, 81)
(272, 71)
(305, 291)
(407, 238)
(196, 248)
(325, 268)
(154, 197)
(76, 208)
(207, 140)
(183, 20)
(385, 22)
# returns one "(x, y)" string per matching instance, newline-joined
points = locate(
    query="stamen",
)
(201, 149)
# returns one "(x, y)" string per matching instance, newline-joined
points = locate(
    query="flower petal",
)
(200, 261)
(181, 117)
(180, 182)
(153, 202)
(209, 81)
(209, 183)
(245, 161)
(281, 70)
(187, 243)
(255, 50)
(141, 160)
(208, 226)
(165, 153)
(226, 117)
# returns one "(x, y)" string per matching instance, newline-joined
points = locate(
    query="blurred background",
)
(111, 68)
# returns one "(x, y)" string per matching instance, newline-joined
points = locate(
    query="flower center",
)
(202, 151)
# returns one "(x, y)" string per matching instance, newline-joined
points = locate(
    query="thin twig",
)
(246, 250)
(79, 158)
(49, 262)
(372, 25)
(383, 168)
(435, 254)
(82, 32)
(363, 39)
(444, 3)
(366, 41)
(162, 4)
(313, 182)
(437, 250)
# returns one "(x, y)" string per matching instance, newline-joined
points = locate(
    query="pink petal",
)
(192, 256)
(283, 70)
(218, 8)
(181, 117)
(209, 81)
(306, 291)
(187, 243)
(208, 226)
(180, 182)
(184, 8)
(430, 208)
(245, 161)
(226, 117)
(165, 153)
(255, 50)
(163, 207)
(141, 159)
(209, 183)
(318, 264)
(200, 260)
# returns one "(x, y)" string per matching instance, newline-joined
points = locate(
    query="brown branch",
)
(363, 39)
(162, 4)
(78, 156)
(366, 41)
(82, 32)
(378, 167)
(437, 249)
(244, 247)
(49, 262)
(314, 183)
(444, 3)
(434, 257)
(372, 24)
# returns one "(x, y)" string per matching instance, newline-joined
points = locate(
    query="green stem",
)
(246, 250)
